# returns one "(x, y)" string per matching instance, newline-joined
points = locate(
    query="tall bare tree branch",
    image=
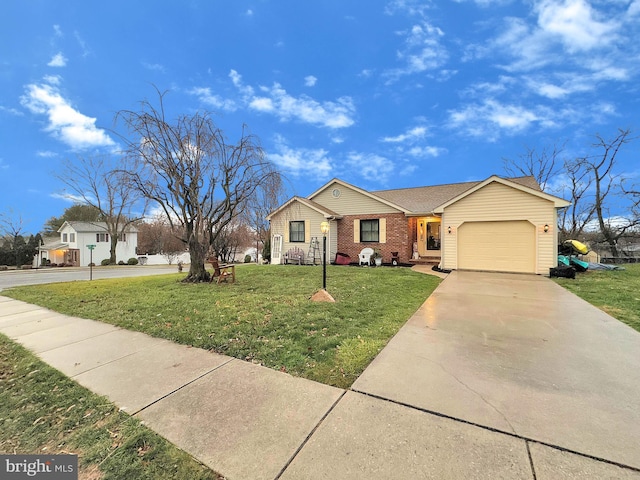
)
(188, 168)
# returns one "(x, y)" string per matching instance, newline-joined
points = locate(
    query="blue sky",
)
(382, 94)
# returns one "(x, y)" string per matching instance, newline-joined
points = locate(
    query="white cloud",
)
(491, 118)
(64, 122)
(566, 32)
(68, 197)
(3, 166)
(411, 7)
(336, 114)
(46, 154)
(416, 133)
(58, 60)
(57, 31)
(426, 151)
(576, 24)
(301, 162)
(423, 51)
(205, 95)
(249, 13)
(371, 165)
(236, 78)
(11, 111)
(52, 79)
(276, 101)
(634, 8)
(310, 81)
(157, 67)
(262, 104)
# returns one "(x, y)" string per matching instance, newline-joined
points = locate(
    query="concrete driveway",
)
(17, 278)
(520, 355)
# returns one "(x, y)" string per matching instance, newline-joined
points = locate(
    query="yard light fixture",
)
(324, 228)
(546, 228)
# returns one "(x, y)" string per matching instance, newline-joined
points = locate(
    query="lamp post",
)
(324, 228)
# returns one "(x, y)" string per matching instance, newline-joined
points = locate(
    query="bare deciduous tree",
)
(157, 237)
(574, 219)
(608, 183)
(100, 183)
(268, 197)
(543, 165)
(200, 181)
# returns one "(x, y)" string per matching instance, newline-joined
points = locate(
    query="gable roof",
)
(522, 186)
(324, 211)
(425, 200)
(372, 195)
(92, 227)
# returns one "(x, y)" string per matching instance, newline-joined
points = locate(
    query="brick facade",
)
(399, 237)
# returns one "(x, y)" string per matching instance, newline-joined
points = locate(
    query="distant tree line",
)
(15, 248)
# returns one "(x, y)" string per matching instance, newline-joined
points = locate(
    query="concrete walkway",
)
(466, 389)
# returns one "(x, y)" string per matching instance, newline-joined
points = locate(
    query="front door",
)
(433, 235)
(276, 250)
(428, 236)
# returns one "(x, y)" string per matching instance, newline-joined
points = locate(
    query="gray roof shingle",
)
(423, 200)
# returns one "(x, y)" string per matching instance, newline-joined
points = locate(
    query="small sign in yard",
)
(91, 247)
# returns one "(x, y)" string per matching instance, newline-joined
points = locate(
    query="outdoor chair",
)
(365, 256)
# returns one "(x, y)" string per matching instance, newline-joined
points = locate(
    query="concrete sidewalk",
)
(250, 422)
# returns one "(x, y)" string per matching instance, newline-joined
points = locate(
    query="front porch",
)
(432, 259)
(427, 234)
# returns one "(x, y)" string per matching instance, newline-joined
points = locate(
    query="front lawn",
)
(617, 292)
(265, 317)
(44, 412)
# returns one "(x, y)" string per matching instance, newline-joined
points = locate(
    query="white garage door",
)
(497, 246)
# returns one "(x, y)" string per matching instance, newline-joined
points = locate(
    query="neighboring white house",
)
(72, 246)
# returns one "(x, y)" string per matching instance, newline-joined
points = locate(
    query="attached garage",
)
(507, 246)
(499, 225)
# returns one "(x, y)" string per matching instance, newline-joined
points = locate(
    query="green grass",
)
(616, 292)
(265, 317)
(44, 412)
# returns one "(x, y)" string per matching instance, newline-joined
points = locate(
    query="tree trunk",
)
(112, 249)
(197, 270)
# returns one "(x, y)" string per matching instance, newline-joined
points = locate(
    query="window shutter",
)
(286, 232)
(382, 223)
(356, 231)
(307, 232)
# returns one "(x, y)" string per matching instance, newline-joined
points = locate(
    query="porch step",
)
(426, 261)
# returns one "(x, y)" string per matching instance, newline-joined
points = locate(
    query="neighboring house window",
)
(64, 237)
(122, 237)
(102, 237)
(370, 230)
(72, 237)
(296, 231)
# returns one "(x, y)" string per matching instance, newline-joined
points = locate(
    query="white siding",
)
(498, 202)
(350, 202)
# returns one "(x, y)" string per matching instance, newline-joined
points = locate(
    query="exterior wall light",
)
(546, 228)
(449, 230)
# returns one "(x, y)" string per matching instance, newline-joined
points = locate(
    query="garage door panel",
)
(497, 246)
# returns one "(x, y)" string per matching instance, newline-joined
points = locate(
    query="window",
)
(296, 231)
(64, 237)
(72, 237)
(122, 237)
(102, 237)
(370, 230)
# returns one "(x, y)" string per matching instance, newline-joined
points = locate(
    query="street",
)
(16, 278)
